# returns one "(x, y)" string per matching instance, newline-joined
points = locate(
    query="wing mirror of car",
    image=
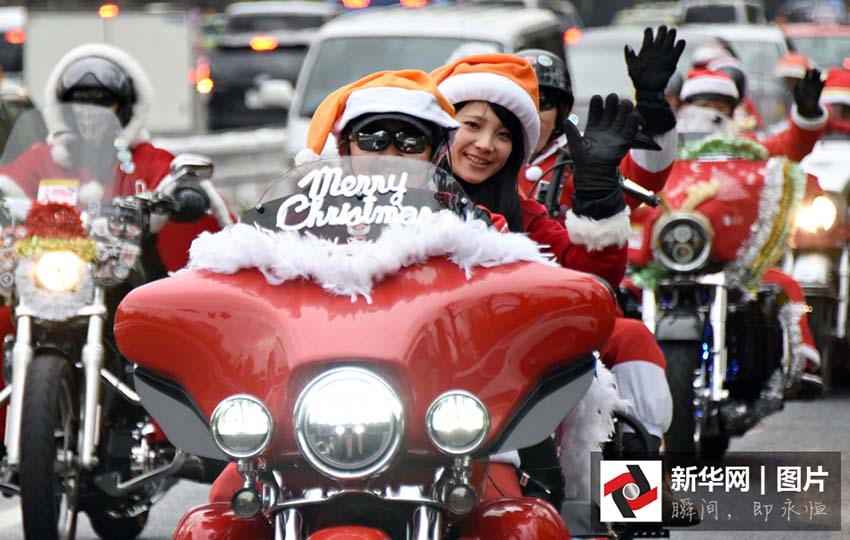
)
(191, 167)
(275, 93)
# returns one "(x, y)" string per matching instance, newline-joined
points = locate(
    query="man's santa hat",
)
(792, 65)
(410, 92)
(503, 79)
(708, 82)
(836, 88)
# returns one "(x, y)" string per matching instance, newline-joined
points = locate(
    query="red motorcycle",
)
(701, 259)
(360, 369)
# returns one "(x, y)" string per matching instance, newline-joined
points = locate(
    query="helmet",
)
(551, 73)
(93, 79)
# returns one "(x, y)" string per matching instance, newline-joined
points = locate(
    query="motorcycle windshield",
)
(69, 154)
(353, 198)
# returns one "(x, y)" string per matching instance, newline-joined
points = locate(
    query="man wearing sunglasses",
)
(391, 134)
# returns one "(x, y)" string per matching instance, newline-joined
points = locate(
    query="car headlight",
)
(348, 423)
(457, 422)
(59, 271)
(682, 242)
(241, 426)
(818, 216)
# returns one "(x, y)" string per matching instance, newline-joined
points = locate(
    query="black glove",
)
(807, 94)
(192, 203)
(609, 134)
(650, 71)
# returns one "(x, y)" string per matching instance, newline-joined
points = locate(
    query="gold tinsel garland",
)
(32, 246)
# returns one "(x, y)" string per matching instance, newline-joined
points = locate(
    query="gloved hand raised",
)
(610, 133)
(807, 94)
(650, 71)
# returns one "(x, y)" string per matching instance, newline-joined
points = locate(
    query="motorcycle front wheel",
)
(49, 475)
(686, 434)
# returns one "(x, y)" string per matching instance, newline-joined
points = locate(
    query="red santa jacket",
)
(601, 253)
(798, 139)
(151, 166)
(645, 167)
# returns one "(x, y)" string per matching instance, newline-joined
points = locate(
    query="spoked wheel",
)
(49, 475)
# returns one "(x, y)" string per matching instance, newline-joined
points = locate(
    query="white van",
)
(355, 45)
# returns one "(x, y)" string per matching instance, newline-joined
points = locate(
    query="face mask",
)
(693, 121)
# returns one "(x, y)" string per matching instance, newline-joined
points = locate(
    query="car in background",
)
(826, 45)
(262, 41)
(14, 101)
(13, 23)
(563, 9)
(603, 46)
(357, 44)
(759, 47)
(814, 11)
(649, 14)
(722, 11)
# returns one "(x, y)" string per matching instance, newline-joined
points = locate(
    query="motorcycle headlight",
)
(59, 271)
(818, 216)
(348, 423)
(457, 422)
(241, 426)
(682, 242)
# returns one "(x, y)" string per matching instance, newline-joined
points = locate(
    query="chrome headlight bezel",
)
(689, 223)
(434, 435)
(376, 388)
(219, 412)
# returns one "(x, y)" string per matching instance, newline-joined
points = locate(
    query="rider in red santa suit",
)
(710, 98)
(650, 71)
(100, 74)
(103, 75)
(836, 98)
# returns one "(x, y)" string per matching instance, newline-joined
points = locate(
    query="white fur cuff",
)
(597, 234)
(809, 124)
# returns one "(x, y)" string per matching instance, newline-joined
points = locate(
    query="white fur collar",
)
(353, 269)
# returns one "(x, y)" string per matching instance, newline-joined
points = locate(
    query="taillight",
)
(356, 4)
(572, 36)
(200, 76)
(263, 43)
(414, 3)
(108, 11)
(16, 37)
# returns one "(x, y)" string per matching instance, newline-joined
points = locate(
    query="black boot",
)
(541, 475)
(635, 449)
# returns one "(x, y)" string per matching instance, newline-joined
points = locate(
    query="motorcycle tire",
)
(822, 323)
(50, 429)
(110, 527)
(683, 357)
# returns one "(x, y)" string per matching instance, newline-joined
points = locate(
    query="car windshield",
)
(343, 60)
(824, 51)
(587, 56)
(710, 14)
(272, 22)
(759, 56)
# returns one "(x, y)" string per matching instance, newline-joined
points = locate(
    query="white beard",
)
(693, 121)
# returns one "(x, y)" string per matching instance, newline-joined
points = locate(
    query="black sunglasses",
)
(408, 140)
(547, 101)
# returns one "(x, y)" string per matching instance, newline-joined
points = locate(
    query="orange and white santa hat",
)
(836, 88)
(705, 81)
(409, 92)
(499, 78)
(792, 65)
